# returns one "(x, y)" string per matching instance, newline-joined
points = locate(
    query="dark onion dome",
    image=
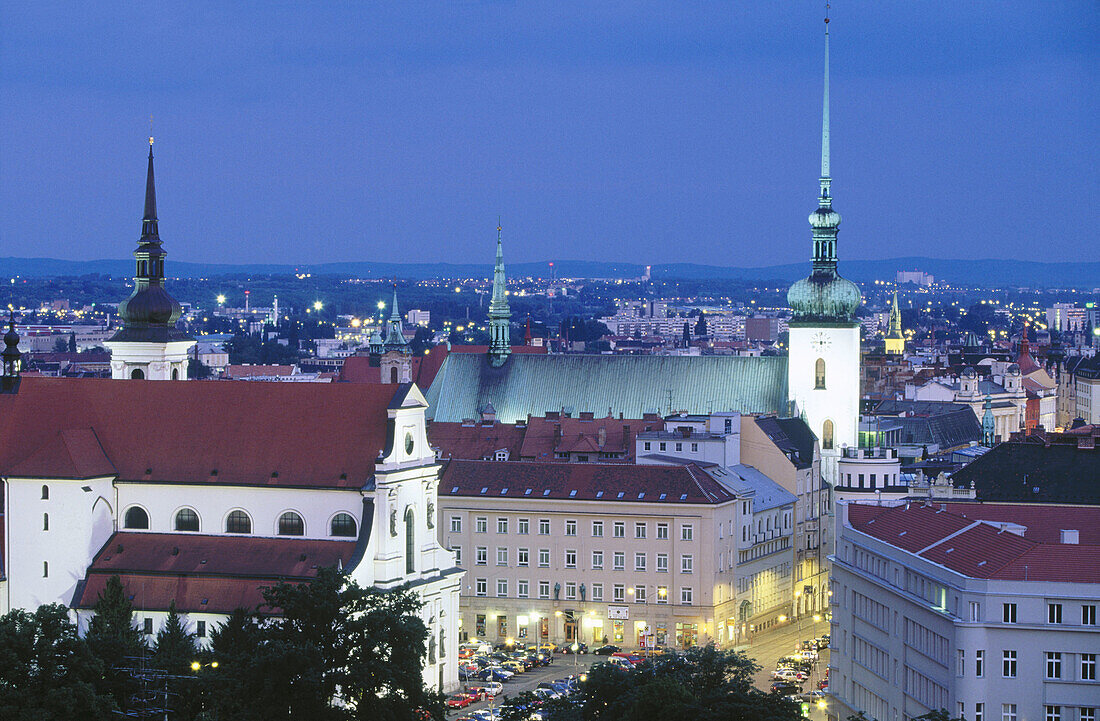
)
(824, 297)
(149, 306)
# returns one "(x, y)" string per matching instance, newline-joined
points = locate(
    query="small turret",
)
(12, 358)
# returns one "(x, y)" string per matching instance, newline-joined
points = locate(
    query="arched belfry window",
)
(827, 435)
(137, 374)
(819, 374)
(393, 374)
(410, 542)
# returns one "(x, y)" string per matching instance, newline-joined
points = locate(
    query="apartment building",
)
(988, 610)
(602, 552)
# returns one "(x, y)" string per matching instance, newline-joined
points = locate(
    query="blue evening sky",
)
(613, 130)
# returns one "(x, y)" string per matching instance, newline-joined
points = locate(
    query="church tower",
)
(149, 346)
(500, 317)
(396, 361)
(823, 365)
(895, 339)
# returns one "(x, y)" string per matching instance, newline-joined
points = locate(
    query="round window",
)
(408, 444)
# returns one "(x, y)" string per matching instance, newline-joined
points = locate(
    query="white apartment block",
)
(561, 552)
(986, 610)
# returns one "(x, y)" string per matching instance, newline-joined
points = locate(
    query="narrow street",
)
(769, 647)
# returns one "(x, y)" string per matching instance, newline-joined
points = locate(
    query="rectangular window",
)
(458, 555)
(522, 588)
(639, 594)
(502, 525)
(1088, 713)
(482, 556)
(570, 528)
(686, 563)
(481, 525)
(524, 526)
(685, 596)
(544, 589)
(502, 556)
(1054, 713)
(597, 591)
(687, 532)
(639, 561)
(544, 526)
(523, 556)
(570, 591)
(597, 529)
(661, 446)
(619, 529)
(960, 662)
(975, 609)
(679, 447)
(1008, 664)
(481, 587)
(1008, 712)
(1054, 613)
(1054, 664)
(1088, 667)
(646, 446)
(694, 447)
(456, 524)
(502, 588)
(1088, 615)
(662, 563)
(662, 594)
(571, 558)
(1008, 612)
(618, 593)
(979, 663)
(639, 530)
(662, 531)
(979, 712)
(618, 561)
(544, 558)
(200, 629)
(597, 560)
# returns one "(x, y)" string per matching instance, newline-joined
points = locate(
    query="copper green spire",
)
(395, 329)
(500, 317)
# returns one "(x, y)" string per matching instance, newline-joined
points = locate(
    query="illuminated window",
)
(343, 525)
(290, 524)
(819, 374)
(410, 542)
(136, 517)
(827, 435)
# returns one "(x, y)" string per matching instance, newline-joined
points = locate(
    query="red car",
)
(461, 700)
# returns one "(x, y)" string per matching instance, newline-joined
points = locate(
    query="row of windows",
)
(619, 591)
(1050, 713)
(618, 559)
(1057, 663)
(1054, 613)
(290, 522)
(618, 528)
(663, 446)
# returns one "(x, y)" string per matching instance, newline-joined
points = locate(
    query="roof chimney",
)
(1070, 536)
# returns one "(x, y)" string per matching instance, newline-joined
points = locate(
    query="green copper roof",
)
(631, 385)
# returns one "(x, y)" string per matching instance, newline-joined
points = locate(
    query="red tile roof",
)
(357, 368)
(582, 482)
(476, 441)
(225, 571)
(241, 433)
(257, 371)
(962, 539)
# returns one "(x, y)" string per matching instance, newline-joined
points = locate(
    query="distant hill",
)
(963, 272)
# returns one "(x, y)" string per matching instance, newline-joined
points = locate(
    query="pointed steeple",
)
(987, 423)
(395, 329)
(895, 339)
(12, 358)
(824, 296)
(149, 229)
(500, 316)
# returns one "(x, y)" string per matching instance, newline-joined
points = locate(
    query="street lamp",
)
(575, 648)
(558, 614)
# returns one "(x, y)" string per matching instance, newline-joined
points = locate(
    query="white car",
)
(787, 674)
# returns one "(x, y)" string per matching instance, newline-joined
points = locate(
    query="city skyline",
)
(638, 136)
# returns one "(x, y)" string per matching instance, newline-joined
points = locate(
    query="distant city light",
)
(381, 305)
(221, 299)
(318, 305)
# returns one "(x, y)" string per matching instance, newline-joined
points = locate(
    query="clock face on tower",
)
(820, 342)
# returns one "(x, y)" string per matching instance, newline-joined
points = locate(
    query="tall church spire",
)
(149, 219)
(895, 339)
(395, 329)
(500, 317)
(824, 296)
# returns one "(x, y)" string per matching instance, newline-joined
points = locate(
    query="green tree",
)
(47, 671)
(115, 640)
(173, 652)
(72, 343)
(198, 371)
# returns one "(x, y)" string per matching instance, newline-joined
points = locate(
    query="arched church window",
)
(135, 517)
(175, 374)
(238, 522)
(410, 542)
(142, 268)
(290, 524)
(45, 493)
(45, 521)
(187, 520)
(827, 435)
(343, 525)
(819, 374)
(393, 374)
(137, 374)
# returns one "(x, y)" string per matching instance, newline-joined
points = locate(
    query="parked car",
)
(514, 665)
(486, 690)
(495, 673)
(548, 647)
(784, 688)
(607, 650)
(581, 647)
(461, 700)
(634, 658)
